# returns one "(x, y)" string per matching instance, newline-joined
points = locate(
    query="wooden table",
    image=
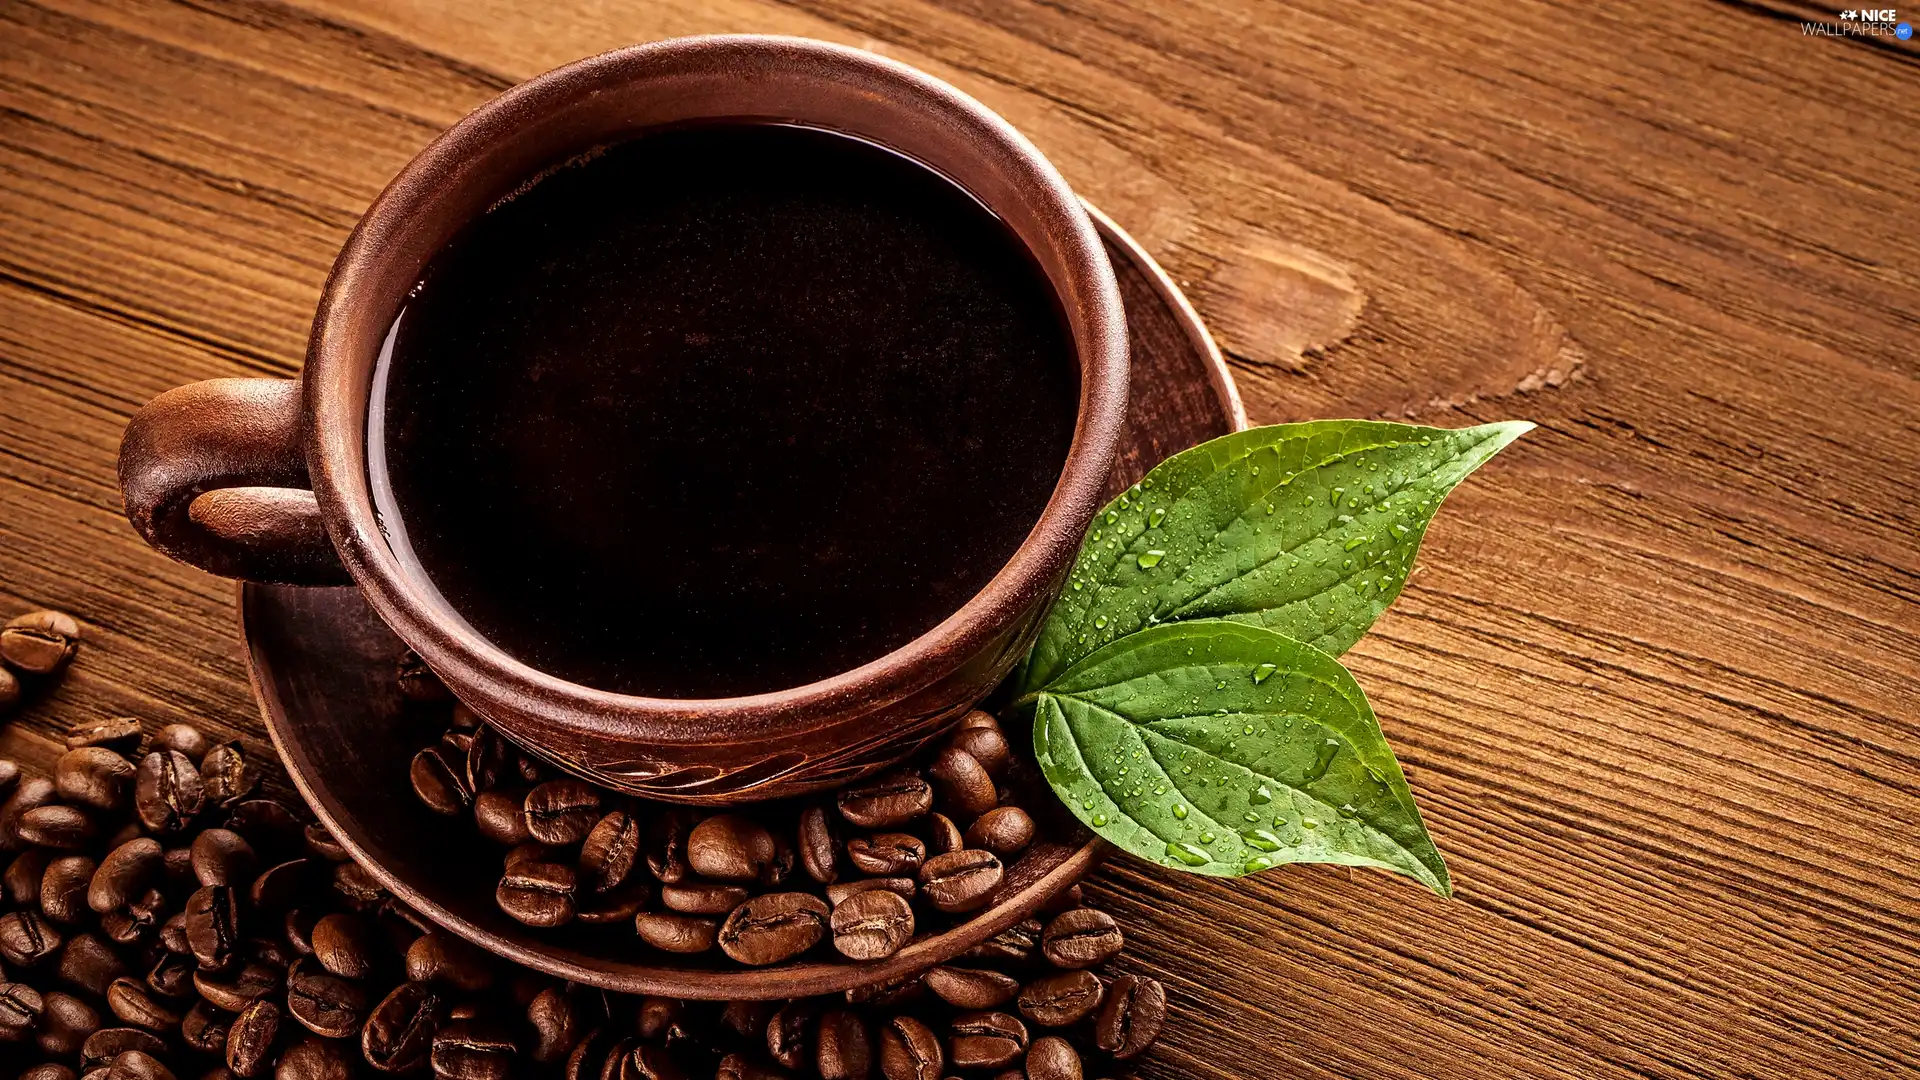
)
(1655, 682)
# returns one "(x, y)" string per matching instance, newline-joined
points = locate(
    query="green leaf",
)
(1308, 529)
(1225, 749)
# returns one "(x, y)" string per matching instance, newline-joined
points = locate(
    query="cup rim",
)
(493, 681)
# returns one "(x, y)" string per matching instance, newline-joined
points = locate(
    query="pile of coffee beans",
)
(35, 647)
(860, 873)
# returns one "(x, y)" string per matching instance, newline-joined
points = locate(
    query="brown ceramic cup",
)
(267, 480)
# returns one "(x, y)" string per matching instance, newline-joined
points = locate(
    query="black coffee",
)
(723, 410)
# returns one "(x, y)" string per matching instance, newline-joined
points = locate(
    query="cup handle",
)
(215, 475)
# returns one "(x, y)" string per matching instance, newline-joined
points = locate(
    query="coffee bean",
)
(106, 1044)
(319, 842)
(790, 1032)
(311, 1058)
(66, 1022)
(538, 893)
(223, 857)
(556, 1023)
(20, 1009)
(417, 682)
(972, 988)
(960, 880)
(472, 1050)
(841, 1048)
(88, 964)
(737, 1067)
(871, 925)
(234, 990)
(26, 938)
(173, 935)
(986, 1040)
(657, 1015)
(167, 792)
(889, 854)
(134, 922)
(609, 853)
(647, 1062)
(703, 897)
(25, 875)
(250, 1039)
(838, 892)
(676, 933)
(204, 1029)
(281, 886)
(440, 782)
(618, 906)
(774, 927)
(820, 849)
(501, 816)
(562, 812)
(1081, 938)
(135, 1065)
(171, 975)
(355, 885)
(1060, 999)
(124, 875)
(133, 1003)
(439, 956)
(943, 835)
(1052, 1058)
(666, 845)
(1005, 830)
(909, 1050)
(10, 691)
(730, 847)
(489, 759)
(272, 829)
(9, 775)
(1131, 1016)
(183, 739)
(398, 1036)
(120, 734)
(344, 945)
(66, 828)
(93, 776)
(63, 888)
(47, 1071)
(213, 926)
(987, 745)
(588, 1056)
(324, 1003)
(39, 642)
(28, 793)
(962, 783)
(890, 800)
(226, 774)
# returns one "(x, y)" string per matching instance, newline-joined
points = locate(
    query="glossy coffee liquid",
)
(722, 410)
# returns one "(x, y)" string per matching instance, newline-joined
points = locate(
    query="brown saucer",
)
(323, 669)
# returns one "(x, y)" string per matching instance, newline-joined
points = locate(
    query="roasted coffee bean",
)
(282, 885)
(489, 759)
(126, 873)
(618, 906)
(438, 956)
(1130, 1017)
(39, 642)
(562, 812)
(871, 925)
(234, 990)
(656, 1015)
(25, 875)
(841, 1049)
(9, 775)
(183, 739)
(886, 801)
(63, 888)
(440, 781)
(962, 783)
(297, 926)
(1005, 830)
(311, 1058)
(318, 841)
(774, 927)
(344, 945)
(171, 975)
(250, 1039)
(176, 869)
(675, 933)
(666, 845)
(538, 893)
(1081, 938)
(961, 880)
(26, 938)
(120, 734)
(93, 776)
(139, 918)
(820, 850)
(417, 682)
(226, 774)
(204, 1029)
(531, 851)
(167, 791)
(173, 935)
(647, 1062)
(986, 1040)
(703, 897)
(20, 1009)
(398, 1036)
(28, 793)
(1052, 1058)
(731, 1067)
(10, 691)
(556, 1022)
(472, 1050)
(49, 1070)
(909, 1050)
(1063, 998)
(272, 829)
(355, 885)
(67, 828)
(609, 853)
(890, 854)
(943, 835)
(223, 857)
(589, 1055)
(269, 951)
(986, 743)
(66, 1022)
(134, 1004)
(213, 926)
(106, 1044)
(790, 1032)
(973, 989)
(838, 892)
(501, 816)
(324, 1003)
(730, 847)
(89, 964)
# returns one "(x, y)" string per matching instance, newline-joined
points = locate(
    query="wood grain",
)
(1655, 678)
